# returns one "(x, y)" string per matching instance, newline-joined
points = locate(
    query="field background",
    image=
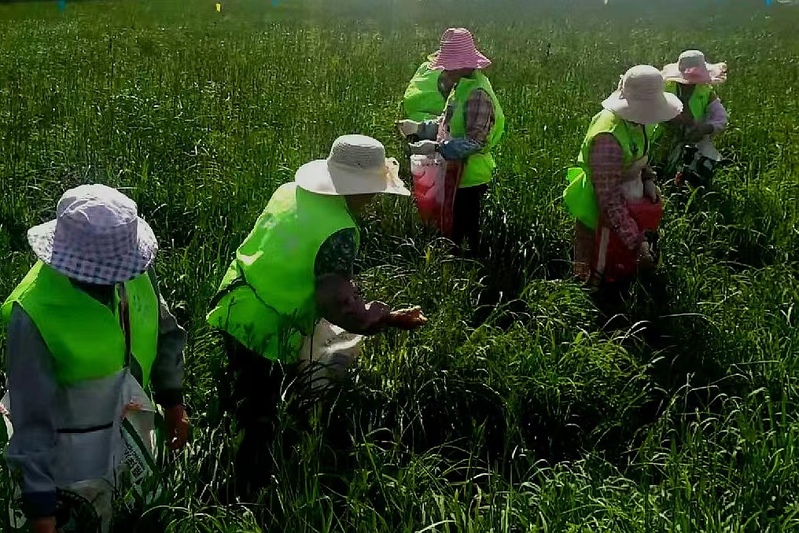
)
(521, 407)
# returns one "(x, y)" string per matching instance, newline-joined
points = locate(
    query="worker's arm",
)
(607, 163)
(337, 298)
(166, 375)
(716, 116)
(479, 122)
(32, 389)
(167, 372)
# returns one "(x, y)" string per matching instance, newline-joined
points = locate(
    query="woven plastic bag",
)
(87, 506)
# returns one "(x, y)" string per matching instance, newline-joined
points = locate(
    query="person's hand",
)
(648, 173)
(407, 318)
(44, 525)
(177, 427)
(696, 133)
(684, 119)
(651, 191)
(423, 147)
(408, 127)
(645, 258)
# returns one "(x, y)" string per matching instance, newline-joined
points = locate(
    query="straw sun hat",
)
(641, 97)
(97, 237)
(357, 164)
(458, 51)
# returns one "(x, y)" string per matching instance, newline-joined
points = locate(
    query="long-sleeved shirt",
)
(716, 115)
(479, 121)
(607, 176)
(337, 297)
(40, 407)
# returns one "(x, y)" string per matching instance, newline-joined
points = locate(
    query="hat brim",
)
(659, 109)
(320, 177)
(475, 60)
(77, 265)
(712, 74)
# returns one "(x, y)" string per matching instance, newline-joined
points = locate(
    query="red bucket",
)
(435, 183)
(613, 259)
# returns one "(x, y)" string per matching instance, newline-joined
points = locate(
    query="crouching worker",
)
(693, 81)
(88, 333)
(288, 300)
(611, 192)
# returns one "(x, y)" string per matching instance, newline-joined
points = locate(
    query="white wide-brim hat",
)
(357, 164)
(97, 237)
(692, 69)
(641, 97)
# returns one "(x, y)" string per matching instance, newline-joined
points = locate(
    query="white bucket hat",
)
(97, 237)
(641, 97)
(692, 69)
(357, 164)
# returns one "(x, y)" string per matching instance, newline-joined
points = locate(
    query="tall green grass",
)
(522, 406)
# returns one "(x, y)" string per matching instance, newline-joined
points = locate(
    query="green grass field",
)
(521, 407)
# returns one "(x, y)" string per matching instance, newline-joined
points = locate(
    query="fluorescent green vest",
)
(699, 100)
(84, 336)
(479, 167)
(579, 194)
(423, 101)
(267, 299)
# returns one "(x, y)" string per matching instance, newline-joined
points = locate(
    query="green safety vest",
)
(423, 101)
(699, 100)
(267, 299)
(579, 194)
(83, 335)
(697, 105)
(479, 167)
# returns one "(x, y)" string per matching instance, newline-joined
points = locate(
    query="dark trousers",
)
(251, 392)
(466, 217)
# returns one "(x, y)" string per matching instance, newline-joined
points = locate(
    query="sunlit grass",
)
(521, 407)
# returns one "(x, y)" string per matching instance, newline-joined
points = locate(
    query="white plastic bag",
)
(328, 354)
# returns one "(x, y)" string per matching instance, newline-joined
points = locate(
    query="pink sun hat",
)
(691, 68)
(458, 51)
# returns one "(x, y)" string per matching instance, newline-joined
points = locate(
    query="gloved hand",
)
(651, 191)
(699, 130)
(177, 427)
(423, 147)
(44, 525)
(408, 127)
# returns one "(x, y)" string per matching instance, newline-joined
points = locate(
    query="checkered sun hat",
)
(97, 237)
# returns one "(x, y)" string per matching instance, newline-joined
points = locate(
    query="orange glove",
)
(177, 427)
(44, 525)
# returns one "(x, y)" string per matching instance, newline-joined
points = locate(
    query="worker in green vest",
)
(469, 129)
(426, 94)
(288, 302)
(88, 333)
(693, 81)
(613, 170)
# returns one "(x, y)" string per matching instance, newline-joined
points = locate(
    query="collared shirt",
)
(480, 118)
